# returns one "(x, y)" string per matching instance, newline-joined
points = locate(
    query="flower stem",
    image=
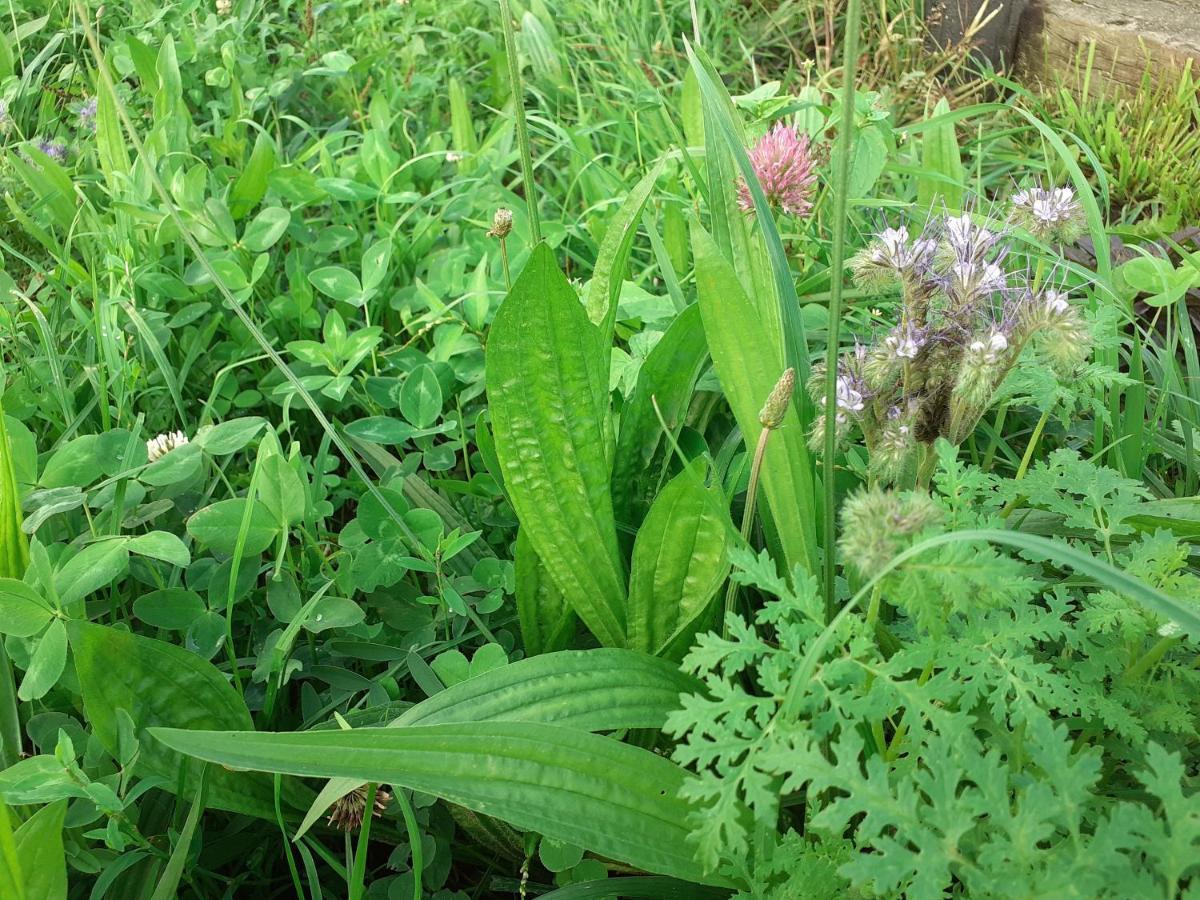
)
(1025, 459)
(518, 95)
(837, 265)
(760, 450)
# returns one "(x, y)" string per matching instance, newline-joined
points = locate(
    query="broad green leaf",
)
(177, 465)
(421, 397)
(942, 173)
(251, 185)
(39, 847)
(667, 379)
(595, 690)
(782, 320)
(171, 608)
(337, 283)
(605, 289)
(46, 664)
(160, 684)
(229, 436)
(548, 387)
(462, 130)
(547, 621)
(23, 612)
(603, 689)
(266, 229)
(617, 800)
(218, 526)
(93, 567)
(12, 880)
(748, 366)
(161, 545)
(281, 490)
(74, 463)
(679, 562)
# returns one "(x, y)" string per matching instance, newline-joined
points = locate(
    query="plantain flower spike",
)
(776, 407)
(502, 223)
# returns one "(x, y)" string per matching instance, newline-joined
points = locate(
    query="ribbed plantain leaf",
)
(679, 561)
(547, 380)
(614, 799)
(547, 622)
(605, 289)
(942, 175)
(668, 378)
(157, 683)
(748, 365)
(592, 690)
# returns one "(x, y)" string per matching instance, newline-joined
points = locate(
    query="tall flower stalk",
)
(841, 187)
(518, 96)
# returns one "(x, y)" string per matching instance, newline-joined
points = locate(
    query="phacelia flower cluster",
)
(783, 164)
(967, 314)
(1051, 214)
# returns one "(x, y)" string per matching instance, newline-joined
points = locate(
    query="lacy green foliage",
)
(1006, 733)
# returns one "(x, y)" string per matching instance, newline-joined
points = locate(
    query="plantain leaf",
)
(547, 380)
(593, 690)
(157, 683)
(748, 366)
(12, 880)
(667, 378)
(39, 847)
(603, 689)
(547, 622)
(619, 801)
(679, 561)
(605, 288)
(721, 124)
(942, 173)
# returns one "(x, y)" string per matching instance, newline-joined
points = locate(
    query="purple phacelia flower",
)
(784, 168)
(54, 149)
(87, 114)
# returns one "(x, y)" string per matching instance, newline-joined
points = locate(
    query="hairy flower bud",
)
(776, 407)
(876, 524)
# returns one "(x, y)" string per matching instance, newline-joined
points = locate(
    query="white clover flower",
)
(453, 156)
(224, 7)
(160, 446)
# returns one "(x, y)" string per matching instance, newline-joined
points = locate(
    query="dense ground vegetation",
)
(589, 449)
